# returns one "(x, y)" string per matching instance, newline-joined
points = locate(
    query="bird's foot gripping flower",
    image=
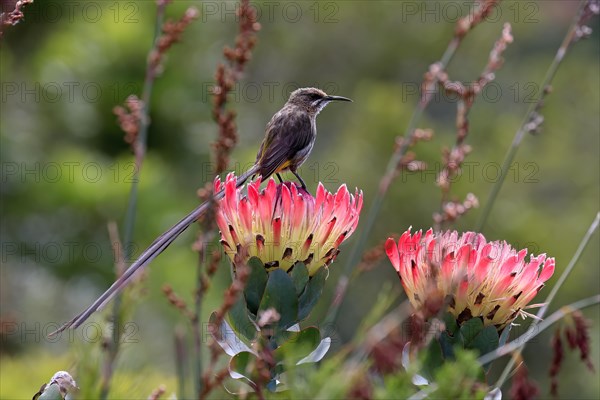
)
(286, 237)
(476, 279)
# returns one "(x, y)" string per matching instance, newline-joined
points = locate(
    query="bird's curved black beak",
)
(337, 98)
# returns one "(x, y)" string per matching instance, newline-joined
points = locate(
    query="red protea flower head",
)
(283, 223)
(476, 278)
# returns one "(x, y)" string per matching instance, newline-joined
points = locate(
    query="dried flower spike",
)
(523, 387)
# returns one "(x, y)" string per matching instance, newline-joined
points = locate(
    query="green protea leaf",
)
(243, 366)
(226, 337)
(255, 286)
(470, 330)
(299, 344)
(312, 293)
(299, 277)
(240, 321)
(280, 294)
(50, 392)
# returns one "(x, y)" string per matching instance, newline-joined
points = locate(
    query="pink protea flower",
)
(283, 223)
(476, 278)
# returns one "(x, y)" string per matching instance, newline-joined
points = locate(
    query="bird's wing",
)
(287, 135)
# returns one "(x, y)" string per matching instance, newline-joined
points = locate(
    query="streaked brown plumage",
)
(289, 139)
(291, 133)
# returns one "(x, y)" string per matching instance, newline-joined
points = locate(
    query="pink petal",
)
(448, 266)
(217, 184)
(286, 200)
(294, 191)
(234, 236)
(277, 231)
(231, 195)
(509, 265)
(482, 267)
(547, 270)
(271, 190)
(328, 204)
(300, 212)
(253, 195)
(392, 252)
(463, 290)
(339, 240)
(246, 214)
(307, 243)
(321, 193)
(223, 227)
(326, 231)
(462, 257)
(359, 201)
(342, 196)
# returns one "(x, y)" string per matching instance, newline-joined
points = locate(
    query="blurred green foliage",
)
(66, 170)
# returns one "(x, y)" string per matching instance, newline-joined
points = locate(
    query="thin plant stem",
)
(537, 322)
(384, 184)
(471, 21)
(593, 227)
(530, 121)
(180, 361)
(197, 318)
(520, 342)
(140, 151)
(378, 332)
(196, 327)
(227, 75)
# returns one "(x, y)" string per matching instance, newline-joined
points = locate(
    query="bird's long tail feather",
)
(157, 247)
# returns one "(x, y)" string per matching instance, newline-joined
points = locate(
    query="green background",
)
(66, 170)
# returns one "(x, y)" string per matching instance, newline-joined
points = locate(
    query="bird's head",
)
(312, 100)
